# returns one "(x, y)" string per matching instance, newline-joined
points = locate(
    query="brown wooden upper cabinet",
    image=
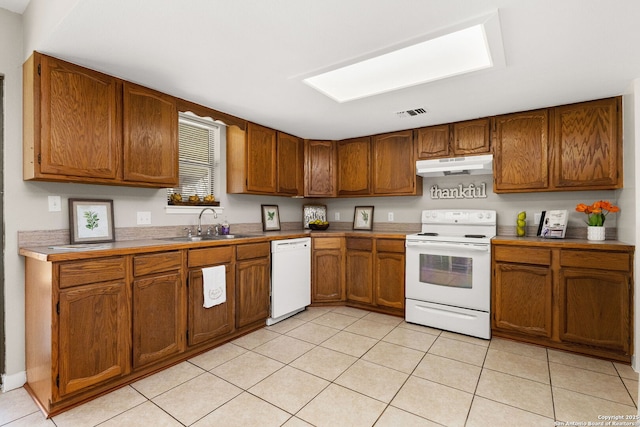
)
(588, 145)
(319, 168)
(261, 160)
(289, 165)
(455, 139)
(569, 147)
(354, 166)
(521, 144)
(394, 165)
(79, 126)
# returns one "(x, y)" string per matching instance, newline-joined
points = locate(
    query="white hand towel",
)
(214, 286)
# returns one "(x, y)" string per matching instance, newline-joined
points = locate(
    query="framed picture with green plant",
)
(270, 218)
(363, 218)
(91, 221)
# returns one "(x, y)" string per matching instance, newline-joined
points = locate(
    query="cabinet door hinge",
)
(58, 381)
(39, 69)
(187, 335)
(58, 307)
(39, 158)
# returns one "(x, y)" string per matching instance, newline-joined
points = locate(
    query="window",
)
(199, 157)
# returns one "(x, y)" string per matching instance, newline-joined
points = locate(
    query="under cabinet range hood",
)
(470, 165)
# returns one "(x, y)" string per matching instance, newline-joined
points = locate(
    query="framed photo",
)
(363, 218)
(91, 221)
(313, 212)
(270, 218)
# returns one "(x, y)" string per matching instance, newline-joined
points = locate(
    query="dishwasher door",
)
(290, 277)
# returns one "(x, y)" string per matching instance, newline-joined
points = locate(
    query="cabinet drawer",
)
(156, 263)
(360, 244)
(92, 271)
(210, 256)
(253, 250)
(390, 245)
(522, 255)
(619, 261)
(327, 243)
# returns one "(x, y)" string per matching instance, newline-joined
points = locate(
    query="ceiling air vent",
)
(411, 113)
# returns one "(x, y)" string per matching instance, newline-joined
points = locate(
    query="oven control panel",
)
(459, 216)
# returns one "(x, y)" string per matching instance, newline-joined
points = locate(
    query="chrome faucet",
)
(215, 215)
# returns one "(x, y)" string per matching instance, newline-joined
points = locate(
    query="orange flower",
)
(597, 212)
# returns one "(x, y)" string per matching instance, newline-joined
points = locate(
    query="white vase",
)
(595, 233)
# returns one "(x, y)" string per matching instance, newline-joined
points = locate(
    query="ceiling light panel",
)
(455, 53)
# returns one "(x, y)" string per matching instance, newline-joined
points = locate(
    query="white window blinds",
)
(197, 157)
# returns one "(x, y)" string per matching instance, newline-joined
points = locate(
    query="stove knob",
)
(480, 215)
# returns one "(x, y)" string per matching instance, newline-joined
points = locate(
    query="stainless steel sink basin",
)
(207, 238)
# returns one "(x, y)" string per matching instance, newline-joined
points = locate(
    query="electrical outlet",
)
(390, 217)
(336, 216)
(144, 218)
(54, 204)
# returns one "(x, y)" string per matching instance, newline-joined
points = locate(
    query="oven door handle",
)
(442, 245)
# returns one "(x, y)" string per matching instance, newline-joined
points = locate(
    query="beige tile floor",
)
(349, 367)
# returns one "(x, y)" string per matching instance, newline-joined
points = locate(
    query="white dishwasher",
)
(290, 277)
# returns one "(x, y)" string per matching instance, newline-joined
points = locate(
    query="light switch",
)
(390, 217)
(54, 204)
(336, 216)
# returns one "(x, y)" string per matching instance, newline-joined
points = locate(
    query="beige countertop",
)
(126, 247)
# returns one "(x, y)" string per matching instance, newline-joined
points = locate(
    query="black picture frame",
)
(363, 218)
(270, 218)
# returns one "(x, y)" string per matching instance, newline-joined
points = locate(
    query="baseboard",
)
(14, 381)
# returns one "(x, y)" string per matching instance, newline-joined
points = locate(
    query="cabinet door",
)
(327, 282)
(433, 142)
(389, 274)
(261, 159)
(319, 174)
(394, 168)
(595, 308)
(94, 335)
(208, 323)
(521, 145)
(158, 330)
(588, 145)
(150, 137)
(290, 164)
(359, 270)
(471, 137)
(354, 166)
(80, 121)
(523, 299)
(252, 298)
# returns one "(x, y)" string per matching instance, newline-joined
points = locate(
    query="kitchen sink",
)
(207, 238)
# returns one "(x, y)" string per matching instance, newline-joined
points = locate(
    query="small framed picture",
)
(270, 218)
(313, 212)
(91, 221)
(363, 218)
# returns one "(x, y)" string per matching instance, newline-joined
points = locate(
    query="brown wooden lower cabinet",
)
(206, 324)
(372, 273)
(86, 313)
(253, 270)
(96, 324)
(158, 326)
(570, 296)
(327, 270)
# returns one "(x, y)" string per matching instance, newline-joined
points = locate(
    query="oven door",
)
(456, 274)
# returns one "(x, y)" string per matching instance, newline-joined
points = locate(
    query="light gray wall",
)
(407, 209)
